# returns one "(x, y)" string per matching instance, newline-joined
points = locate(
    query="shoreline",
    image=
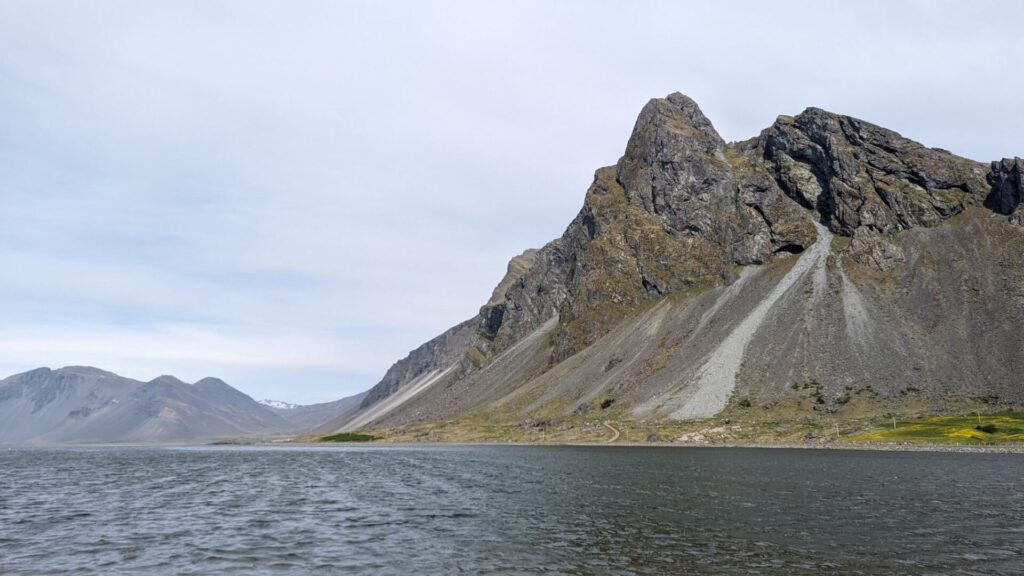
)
(260, 443)
(874, 447)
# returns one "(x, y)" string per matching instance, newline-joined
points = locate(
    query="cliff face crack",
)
(716, 378)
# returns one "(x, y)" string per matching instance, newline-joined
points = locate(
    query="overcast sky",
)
(292, 195)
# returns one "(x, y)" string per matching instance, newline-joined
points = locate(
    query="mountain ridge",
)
(86, 404)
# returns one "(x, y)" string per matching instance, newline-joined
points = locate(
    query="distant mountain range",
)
(83, 404)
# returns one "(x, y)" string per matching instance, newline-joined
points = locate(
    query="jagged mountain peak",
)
(675, 117)
(854, 174)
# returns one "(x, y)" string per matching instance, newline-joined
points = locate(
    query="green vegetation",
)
(739, 424)
(805, 414)
(476, 356)
(839, 244)
(349, 437)
(996, 428)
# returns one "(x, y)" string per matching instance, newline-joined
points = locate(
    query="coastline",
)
(287, 443)
(875, 447)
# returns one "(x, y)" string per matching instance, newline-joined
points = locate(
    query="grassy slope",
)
(793, 421)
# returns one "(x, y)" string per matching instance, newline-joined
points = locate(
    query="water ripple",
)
(508, 510)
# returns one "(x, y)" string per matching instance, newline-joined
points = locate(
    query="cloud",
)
(293, 196)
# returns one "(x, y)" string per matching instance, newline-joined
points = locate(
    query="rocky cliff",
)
(827, 252)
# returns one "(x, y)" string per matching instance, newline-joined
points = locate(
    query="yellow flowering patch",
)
(957, 433)
(993, 428)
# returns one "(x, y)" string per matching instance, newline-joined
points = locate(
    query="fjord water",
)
(514, 510)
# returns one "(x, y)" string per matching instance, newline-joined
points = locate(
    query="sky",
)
(292, 195)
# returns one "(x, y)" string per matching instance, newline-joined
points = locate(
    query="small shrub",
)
(745, 403)
(607, 403)
(476, 356)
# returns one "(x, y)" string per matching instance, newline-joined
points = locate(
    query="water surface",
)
(511, 510)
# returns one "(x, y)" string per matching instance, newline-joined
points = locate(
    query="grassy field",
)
(993, 428)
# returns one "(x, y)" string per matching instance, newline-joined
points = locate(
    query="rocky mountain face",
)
(825, 252)
(81, 404)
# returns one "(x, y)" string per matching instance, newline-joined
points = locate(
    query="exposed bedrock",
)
(1007, 179)
(857, 174)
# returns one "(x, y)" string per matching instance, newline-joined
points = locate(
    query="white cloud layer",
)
(293, 195)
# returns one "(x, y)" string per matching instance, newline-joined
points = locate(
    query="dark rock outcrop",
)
(857, 174)
(1007, 196)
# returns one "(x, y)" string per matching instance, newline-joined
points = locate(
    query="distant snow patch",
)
(279, 404)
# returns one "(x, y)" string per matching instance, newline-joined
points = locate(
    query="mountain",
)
(278, 404)
(826, 266)
(82, 404)
(313, 417)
